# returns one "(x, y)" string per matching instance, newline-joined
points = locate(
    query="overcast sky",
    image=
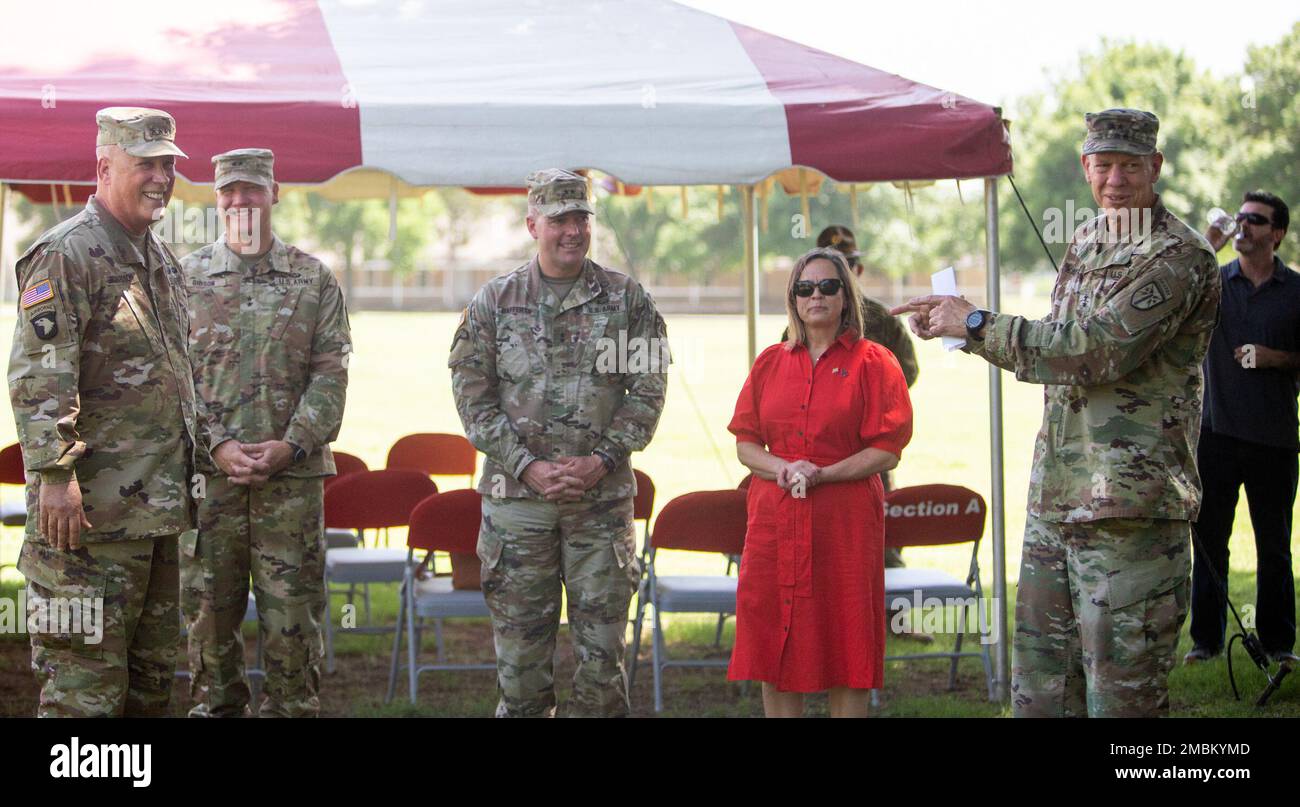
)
(995, 56)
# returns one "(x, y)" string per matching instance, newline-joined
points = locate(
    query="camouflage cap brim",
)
(244, 176)
(560, 208)
(155, 148)
(1117, 144)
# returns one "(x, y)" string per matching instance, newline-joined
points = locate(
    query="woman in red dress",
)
(818, 419)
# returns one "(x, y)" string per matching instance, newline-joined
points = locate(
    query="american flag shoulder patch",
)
(38, 293)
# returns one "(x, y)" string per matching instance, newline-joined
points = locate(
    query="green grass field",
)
(400, 384)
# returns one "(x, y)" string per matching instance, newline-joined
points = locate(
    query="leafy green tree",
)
(1265, 149)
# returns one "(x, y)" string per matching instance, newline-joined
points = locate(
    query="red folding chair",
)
(940, 515)
(371, 500)
(643, 504)
(344, 464)
(12, 472)
(435, 454)
(707, 521)
(447, 522)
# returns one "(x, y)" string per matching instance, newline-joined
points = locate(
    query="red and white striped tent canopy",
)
(475, 93)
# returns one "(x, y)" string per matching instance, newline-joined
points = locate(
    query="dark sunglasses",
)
(1254, 218)
(828, 287)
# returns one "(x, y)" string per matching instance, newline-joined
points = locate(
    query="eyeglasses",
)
(828, 287)
(1254, 218)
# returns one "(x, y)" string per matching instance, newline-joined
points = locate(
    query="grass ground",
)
(400, 384)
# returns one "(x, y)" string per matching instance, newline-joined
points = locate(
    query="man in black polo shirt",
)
(1248, 431)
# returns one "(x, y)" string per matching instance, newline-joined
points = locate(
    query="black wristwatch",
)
(299, 453)
(975, 322)
(605, 460)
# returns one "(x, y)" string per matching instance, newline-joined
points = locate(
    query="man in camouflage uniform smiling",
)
(269, 341)
(557, 413)
(105, 410)
(1114, 488)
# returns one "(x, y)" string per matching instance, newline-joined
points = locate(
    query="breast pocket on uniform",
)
(284, 314)
(519, 351)
(133, 333)
(603, 353)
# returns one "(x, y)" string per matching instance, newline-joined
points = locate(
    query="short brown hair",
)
(851, 314)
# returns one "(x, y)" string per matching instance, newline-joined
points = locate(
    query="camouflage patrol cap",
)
(141, 132)
(245, 165)
(554, 192)
(1131, 131)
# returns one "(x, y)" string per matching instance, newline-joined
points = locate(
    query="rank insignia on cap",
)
(45, 325)
(38, 294)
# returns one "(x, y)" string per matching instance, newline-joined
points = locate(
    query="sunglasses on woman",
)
(1256, 219)
(828, 287)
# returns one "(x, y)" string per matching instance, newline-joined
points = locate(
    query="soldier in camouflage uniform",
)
(269, 342)
(1104, 575)
(559, 371)
(104, 405)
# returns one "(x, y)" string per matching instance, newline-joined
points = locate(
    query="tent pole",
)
(1002, 664)
(752, 290)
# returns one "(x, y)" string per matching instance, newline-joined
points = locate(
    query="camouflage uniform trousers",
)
(1098, 614)
(129, 672)
(275, 533)
(527, 548)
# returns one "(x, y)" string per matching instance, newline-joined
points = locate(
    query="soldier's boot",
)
(1130, 578)
(1047, 671)
(519, 547)
(601, 574)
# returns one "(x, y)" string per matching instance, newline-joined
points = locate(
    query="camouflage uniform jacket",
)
(534, 379)
(270, 349)
(1120, 356)
(99, 379)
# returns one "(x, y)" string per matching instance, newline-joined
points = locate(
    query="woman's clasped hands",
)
(800, 475)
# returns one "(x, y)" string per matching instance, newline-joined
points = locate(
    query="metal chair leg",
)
(329, 633)
(397, 645)
(658, 657)
(636, 637)
(961, 633)
(988, 661)
(717, 639)
(412, 647)
(437, 638)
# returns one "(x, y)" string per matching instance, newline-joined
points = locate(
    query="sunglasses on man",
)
(828, 287)
(1257, 219)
